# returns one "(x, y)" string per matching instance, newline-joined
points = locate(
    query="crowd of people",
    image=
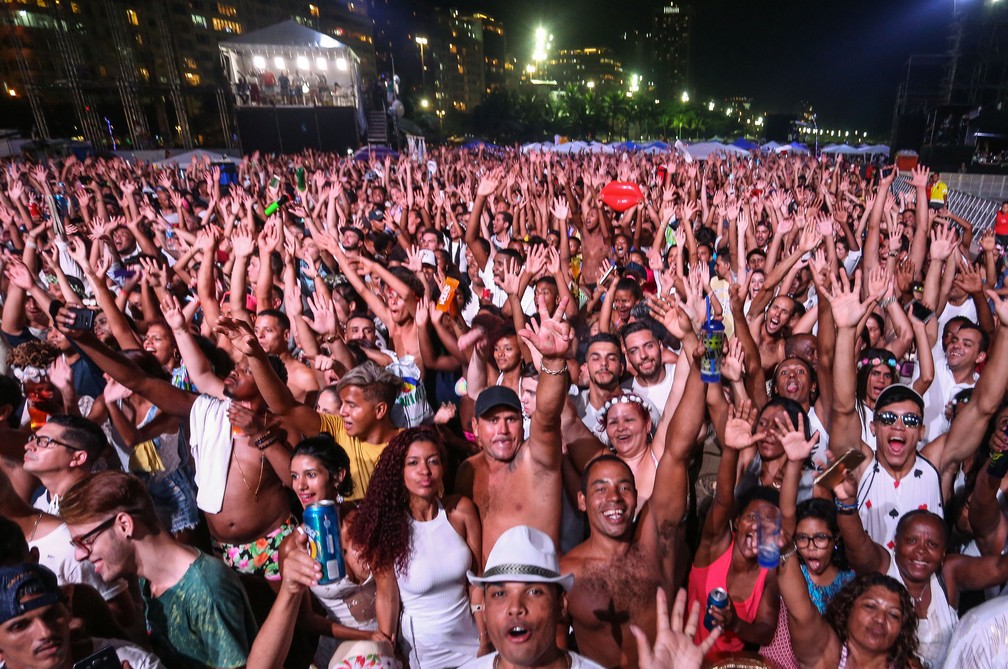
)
(518, 394)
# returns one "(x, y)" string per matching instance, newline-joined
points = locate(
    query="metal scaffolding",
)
(174, 82)
(126, 82)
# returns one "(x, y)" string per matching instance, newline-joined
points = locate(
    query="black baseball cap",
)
(497, 396)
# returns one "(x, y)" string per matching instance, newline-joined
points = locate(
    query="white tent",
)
(872, 149)
(531, 146)
(703, 150)
(842, 149)
(770, 146)
(599, 147)
(198, 155)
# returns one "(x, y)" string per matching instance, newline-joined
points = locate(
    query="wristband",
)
(785, 556)
(886, 302)
(846, 509)
(31, 245)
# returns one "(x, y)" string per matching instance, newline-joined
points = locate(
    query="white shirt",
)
(658, 393)
(487, 662)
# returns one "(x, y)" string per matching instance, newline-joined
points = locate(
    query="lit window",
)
(132, 17)
(226, 10)
(225, 26)
(189, 62)
(313, 10)
(199, 20)
(145, 73)
(192, 78)
(75, 8)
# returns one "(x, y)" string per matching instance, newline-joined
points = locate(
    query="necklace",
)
(567, 656)
(919, 599)
(35, 526)
(262, 468)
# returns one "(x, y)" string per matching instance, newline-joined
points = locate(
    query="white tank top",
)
(934, 633)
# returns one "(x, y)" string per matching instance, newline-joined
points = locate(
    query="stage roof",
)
(289, 33)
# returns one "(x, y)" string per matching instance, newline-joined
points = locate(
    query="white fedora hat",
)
(523, 554)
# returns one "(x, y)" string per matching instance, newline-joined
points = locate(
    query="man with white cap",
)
(525, 600)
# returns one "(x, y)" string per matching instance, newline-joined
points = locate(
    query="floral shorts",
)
(258, 558)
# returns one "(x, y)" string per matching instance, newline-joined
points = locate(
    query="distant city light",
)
(590, 84)
(543, 41)
(258, 62)
(759, 120)
(685, 97)
(727, 112)
(710, 106)
(635, 80)
(425, 103)
(422, 41)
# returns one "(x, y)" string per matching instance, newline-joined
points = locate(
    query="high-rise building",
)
(460, 76)
(592, 67)
(659, 51)
(148, 74)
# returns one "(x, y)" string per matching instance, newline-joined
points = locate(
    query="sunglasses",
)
(909, 419)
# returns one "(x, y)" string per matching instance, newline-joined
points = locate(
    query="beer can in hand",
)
(323, 528)
(718, 599)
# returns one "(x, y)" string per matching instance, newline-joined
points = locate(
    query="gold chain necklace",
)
(35, 526)
(262, 468)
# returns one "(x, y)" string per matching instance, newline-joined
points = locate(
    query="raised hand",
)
(968, 278)
(796, 447)
(18, 274)
(845, 301)
(739, 429)
(733, 365)
(510, 281)
(552, 337)
(1000, 306)
(445, 413)
(943, 241)
(242, 241)
(919, 176)
(674, 647)
(895, 237)
(488, 184)
(241, 335)
(561, 209)
(172, 312)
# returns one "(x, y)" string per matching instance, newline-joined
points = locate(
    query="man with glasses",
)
(900, 476)
(61, 453)
(196, 609)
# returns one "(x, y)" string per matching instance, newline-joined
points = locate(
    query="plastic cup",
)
(37, 416)
(768, 529)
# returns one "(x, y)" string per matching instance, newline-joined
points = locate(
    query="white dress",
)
(336, 599)
(437, 629)
(934, 633)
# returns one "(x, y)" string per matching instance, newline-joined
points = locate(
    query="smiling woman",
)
(419, 547)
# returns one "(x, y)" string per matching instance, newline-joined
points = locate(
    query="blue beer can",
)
(718, 599)
(323, 528)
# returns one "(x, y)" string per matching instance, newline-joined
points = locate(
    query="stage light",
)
(279, 62)
(321, 63)
(302, 63)
(258, 62)
(685, 97)
(341, 64)
(425, 103)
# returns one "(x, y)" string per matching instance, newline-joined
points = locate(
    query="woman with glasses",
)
(920, 562)
(816, 538)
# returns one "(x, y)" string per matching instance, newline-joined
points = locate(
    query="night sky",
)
(845, 57)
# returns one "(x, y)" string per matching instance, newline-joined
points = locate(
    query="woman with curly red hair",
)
(419, 547)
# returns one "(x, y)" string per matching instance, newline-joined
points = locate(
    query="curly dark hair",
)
(33, 353)
(381, 525)
(839, 609)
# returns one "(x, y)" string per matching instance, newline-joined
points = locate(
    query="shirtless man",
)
(515, 481)
(396, 305)
(272, 329)
(242, 496)
(622, 562)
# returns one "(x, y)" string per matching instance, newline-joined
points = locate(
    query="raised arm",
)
(553, 338)
(848, 309)
(167, 397)
(278, 396)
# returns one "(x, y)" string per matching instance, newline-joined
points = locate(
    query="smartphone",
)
(836, 471)
(83, 318)
(274, 181)
(106, 658)
(605, 276)
(921, 312)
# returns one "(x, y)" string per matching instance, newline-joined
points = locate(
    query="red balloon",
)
(621, 195)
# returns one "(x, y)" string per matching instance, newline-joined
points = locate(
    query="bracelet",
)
(892, 254)
(886, 302)
(558, 372)
(785, 556)
(846, 509)
(31, 245)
